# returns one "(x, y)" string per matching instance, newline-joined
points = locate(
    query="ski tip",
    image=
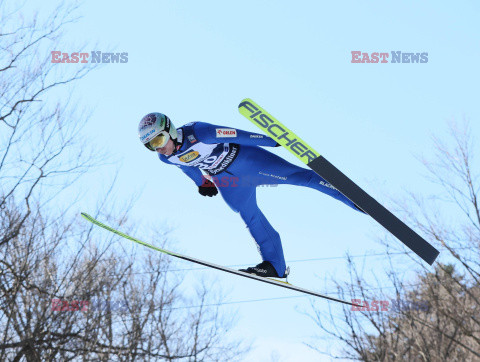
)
(245, 102)
(86, 216)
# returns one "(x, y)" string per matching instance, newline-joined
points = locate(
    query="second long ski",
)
(273, 128)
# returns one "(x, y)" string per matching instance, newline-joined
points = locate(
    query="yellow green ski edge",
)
(276, 130)
(106, 227)
(212, 265)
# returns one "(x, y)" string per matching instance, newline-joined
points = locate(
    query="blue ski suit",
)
(237, 165)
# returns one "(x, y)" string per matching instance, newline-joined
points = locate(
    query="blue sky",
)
(195, 61)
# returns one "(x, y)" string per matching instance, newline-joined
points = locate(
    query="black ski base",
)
(373, 208)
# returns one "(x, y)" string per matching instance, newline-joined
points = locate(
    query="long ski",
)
(212, 265)
(272, 127)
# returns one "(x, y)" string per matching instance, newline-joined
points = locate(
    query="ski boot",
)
(265, 269)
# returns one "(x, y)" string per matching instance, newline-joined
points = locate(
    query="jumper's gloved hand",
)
(208, 188)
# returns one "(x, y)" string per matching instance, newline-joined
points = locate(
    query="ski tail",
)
(376, 210)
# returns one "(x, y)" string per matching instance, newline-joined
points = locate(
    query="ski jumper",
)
(238, 165)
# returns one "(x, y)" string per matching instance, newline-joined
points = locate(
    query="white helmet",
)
(155, 129)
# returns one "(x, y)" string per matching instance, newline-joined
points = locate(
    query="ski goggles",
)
(160, 140)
